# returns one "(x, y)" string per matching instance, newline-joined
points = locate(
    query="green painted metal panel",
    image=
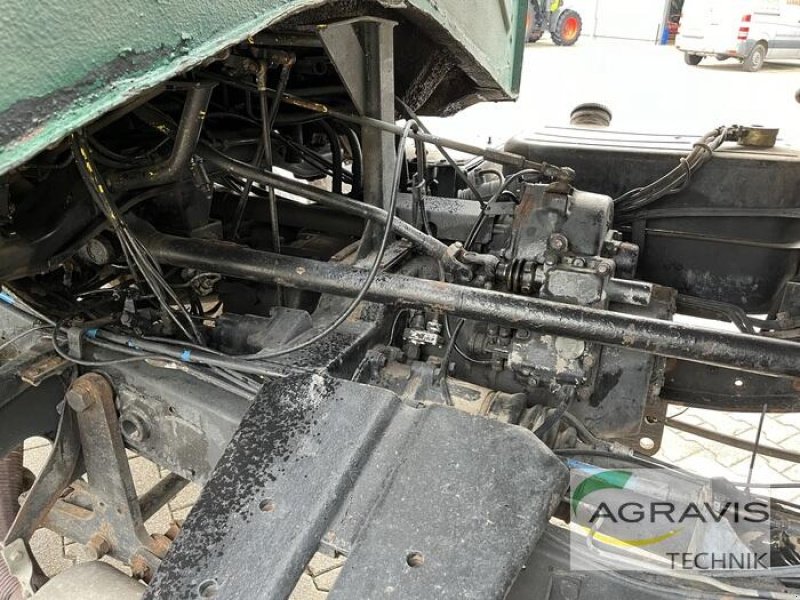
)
(66, 63)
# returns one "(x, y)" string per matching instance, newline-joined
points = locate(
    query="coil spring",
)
(518, 275)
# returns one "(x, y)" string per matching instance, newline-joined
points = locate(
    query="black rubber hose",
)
(186, 137)
(336, 155)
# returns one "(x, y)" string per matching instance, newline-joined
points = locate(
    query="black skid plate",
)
(426, 502)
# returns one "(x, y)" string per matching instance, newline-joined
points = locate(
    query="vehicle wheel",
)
(567, 29)
(721, 57)
(534, 24)
(755, 60)
(692, 59)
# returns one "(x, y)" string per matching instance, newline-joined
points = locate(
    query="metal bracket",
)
(362, 51)
(105, 515)
(58, 472)
(20, 565)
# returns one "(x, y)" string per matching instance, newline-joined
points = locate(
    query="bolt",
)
(558, 242)
(140, 568)
(88, 389)
(97, 547)
(159, 544)
(78, 401)
(173, 530)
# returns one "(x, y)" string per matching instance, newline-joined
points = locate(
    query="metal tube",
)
(162, 492)
(426, 243)
(186, 137)
(499, 156)
(266, 133)
(665, 338)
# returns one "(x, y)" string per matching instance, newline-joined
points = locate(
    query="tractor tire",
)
(535, 36)
(692, 59)
(567, 28)
(755, 60)
(534, 24)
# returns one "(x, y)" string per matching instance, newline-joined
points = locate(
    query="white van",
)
(752, 31)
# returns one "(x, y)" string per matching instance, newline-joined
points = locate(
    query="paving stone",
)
(160, 522)
(49, 552)
(35, 458)
(306, 590)
(675, 447)
(779, 434)
(327, 580)
(145, 474)
(322, 563)
(186, 497)
(36, 442)
(181, 514)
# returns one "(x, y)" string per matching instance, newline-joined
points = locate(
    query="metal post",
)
(362, 50)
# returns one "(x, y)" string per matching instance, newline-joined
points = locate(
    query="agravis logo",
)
(682, 522)
(612, 480)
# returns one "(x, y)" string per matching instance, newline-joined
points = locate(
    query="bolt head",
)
(78, 401)
(558, 242)
(97, 547)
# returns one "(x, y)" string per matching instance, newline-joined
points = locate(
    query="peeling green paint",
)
(66, 63)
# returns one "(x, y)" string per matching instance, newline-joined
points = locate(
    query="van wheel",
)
(692, 59)
(755, 60)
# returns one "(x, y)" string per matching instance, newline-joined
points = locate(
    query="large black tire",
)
(567, 28)
(692, 59)
(535, 36)
(534, 25)
(755, 60)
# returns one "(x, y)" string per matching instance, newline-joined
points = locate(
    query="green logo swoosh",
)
(600, 481)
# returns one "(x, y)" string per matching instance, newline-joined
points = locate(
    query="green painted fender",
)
(66, 63)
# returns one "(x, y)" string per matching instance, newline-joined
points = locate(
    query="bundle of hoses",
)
(632, 201)
(10, 490)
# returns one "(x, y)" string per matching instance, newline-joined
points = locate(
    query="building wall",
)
(622, 19)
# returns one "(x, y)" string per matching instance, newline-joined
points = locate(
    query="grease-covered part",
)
(432, 479)
(665, 338)
(110, 52)
(730, 236)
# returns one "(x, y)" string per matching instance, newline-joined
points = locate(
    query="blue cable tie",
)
(8, 299)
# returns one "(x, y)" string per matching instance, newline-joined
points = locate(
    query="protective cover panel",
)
(447, 505)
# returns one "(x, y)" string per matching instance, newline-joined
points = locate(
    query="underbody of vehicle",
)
(233, 261)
